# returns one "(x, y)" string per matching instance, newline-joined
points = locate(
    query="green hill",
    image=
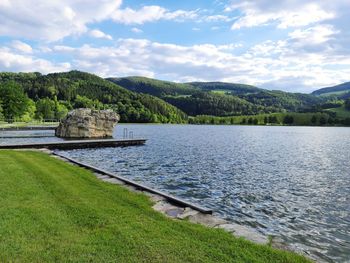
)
(75, 86)
(284, 101)
(154, 87)
(337, 90)
(190, 99)
(219, 98)
(140, 99)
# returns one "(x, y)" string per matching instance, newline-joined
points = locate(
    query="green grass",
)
(341, 112)
(53, 211)
(222, 92)
(25, 124)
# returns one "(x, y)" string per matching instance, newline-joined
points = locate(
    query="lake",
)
(290, 182)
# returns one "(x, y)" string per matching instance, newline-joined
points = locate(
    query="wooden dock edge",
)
(170, 198)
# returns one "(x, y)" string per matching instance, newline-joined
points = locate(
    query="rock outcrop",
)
(87, 123)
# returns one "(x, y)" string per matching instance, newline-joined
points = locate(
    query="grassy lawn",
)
(53, 211)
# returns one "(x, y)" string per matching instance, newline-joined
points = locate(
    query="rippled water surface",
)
(27, 136)
(291, 182)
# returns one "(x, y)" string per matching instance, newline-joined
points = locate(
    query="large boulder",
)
(87, 123)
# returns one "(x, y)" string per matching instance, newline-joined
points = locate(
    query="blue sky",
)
(291, 45)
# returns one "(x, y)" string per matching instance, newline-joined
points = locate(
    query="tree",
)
(346, 121)
(60, 111)
(14, 100)
(84, 102)
(313, 119)
(266, 120)
(272, 119)
(347, 104)
(1, 115)
(45, 109)
(288, 120)
(30, 112)
(323, 120)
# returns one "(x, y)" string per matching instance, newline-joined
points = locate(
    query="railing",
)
(128, 135)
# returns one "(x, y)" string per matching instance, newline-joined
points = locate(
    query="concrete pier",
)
(76, 144)
(28, 128)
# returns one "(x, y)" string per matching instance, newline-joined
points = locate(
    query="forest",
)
(25, 96)
(29, 96)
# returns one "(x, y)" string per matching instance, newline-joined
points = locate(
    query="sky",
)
(290, 45)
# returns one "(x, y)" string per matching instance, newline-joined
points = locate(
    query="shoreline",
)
(177, 209)
(93, 201)
(34, 128)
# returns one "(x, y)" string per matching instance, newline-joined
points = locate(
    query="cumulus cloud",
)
(284, 13)
(313, 52)
(136, 30)
(150, 14)
(154, 13)
(284, 64)
(314, 35)
(21, 46)
(52, 20)
(206, 62)
(99, 34)
(12, 61)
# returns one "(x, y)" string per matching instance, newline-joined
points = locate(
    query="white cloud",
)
(216, 18)
(266, 64)
(11, 61)
(150, 14)
(284, 13)
(291, 64)
(314, 35)
(99, 34)
(136, 30)
(52, 20)
(21, 46)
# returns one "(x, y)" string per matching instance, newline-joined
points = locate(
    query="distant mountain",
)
(338, 90)
(219, 98)
(188, 98)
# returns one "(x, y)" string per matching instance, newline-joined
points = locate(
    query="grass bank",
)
(53, 211)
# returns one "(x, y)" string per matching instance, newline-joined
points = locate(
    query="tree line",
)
(288, 119)
(28, 96)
